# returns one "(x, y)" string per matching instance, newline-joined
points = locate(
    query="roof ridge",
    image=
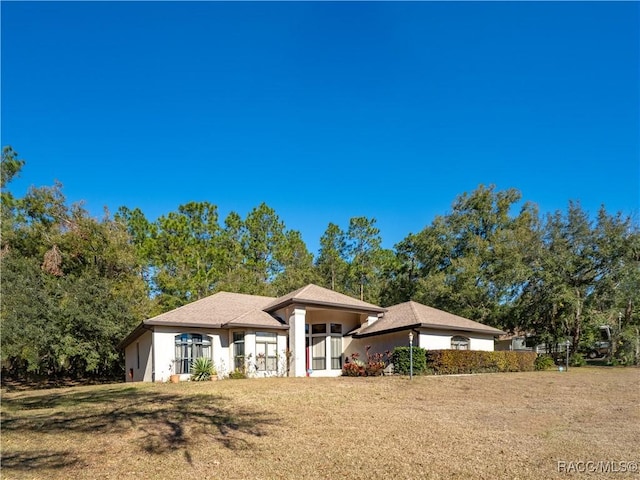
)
(243, 315)
(305, 288)
(244, 294)
(412, 304)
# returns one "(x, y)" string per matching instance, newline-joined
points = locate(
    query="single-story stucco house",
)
(312, 330)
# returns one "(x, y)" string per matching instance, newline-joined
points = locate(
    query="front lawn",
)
(512, 425)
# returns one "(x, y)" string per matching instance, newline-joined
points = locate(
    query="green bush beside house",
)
(443, 362)
(401, 358)
(450, 362)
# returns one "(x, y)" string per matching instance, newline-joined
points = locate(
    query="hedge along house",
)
(307, 332)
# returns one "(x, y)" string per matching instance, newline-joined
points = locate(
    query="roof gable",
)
(314, 295)
(256, 319)
(416, 315)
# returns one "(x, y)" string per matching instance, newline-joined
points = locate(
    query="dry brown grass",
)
(515, 426)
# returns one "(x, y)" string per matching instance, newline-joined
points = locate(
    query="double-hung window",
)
(266, 351)
(318, 346)
(336, 346)
(238, 350)
(190, 346)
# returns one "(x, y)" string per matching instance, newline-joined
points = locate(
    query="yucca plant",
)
(202, 369)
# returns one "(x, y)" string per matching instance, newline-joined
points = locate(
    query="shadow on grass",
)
(26, 461)
(156, 422)
(50, 399)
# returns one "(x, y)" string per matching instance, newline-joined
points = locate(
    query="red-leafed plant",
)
(373, 367)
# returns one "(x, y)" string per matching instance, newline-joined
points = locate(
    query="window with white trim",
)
(266, 346)
(459, 343)
(318, 346)
(190, 346)
(336, 346)
(238, 350)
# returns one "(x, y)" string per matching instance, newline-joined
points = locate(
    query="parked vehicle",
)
(601, 348)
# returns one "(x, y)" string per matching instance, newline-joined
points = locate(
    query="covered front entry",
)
(319, 321)
(323, 339)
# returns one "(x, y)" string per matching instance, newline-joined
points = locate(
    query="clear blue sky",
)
(324, 110)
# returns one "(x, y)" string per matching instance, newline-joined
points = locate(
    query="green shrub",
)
(627, 351)
(202, 369)
(577, 360)
(401, 360)
(444, 362)
(544, 362)
(237, 374)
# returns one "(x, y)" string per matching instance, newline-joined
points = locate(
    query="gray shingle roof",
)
(222, 309)
(416, 315)
(323, 297)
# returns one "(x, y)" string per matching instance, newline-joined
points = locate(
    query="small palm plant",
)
(202, 369)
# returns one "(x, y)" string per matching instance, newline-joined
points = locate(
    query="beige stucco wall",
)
(441, 340)
(378, 343)
(485, 343)
(143, 371)
(159, 366)
(349, 321)
(164, 349)
(435, 340)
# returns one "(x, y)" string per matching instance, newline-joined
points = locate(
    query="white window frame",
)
(194, 345)
(336, 356)
(458, 342)
(238, 339)
(269, 342)
(321, 339)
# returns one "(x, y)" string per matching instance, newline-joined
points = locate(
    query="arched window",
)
(459, 343)
(190, 346)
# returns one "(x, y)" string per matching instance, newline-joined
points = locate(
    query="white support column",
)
(219, 355)
(297, 342)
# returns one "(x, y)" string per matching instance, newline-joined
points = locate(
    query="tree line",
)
(73, 286)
